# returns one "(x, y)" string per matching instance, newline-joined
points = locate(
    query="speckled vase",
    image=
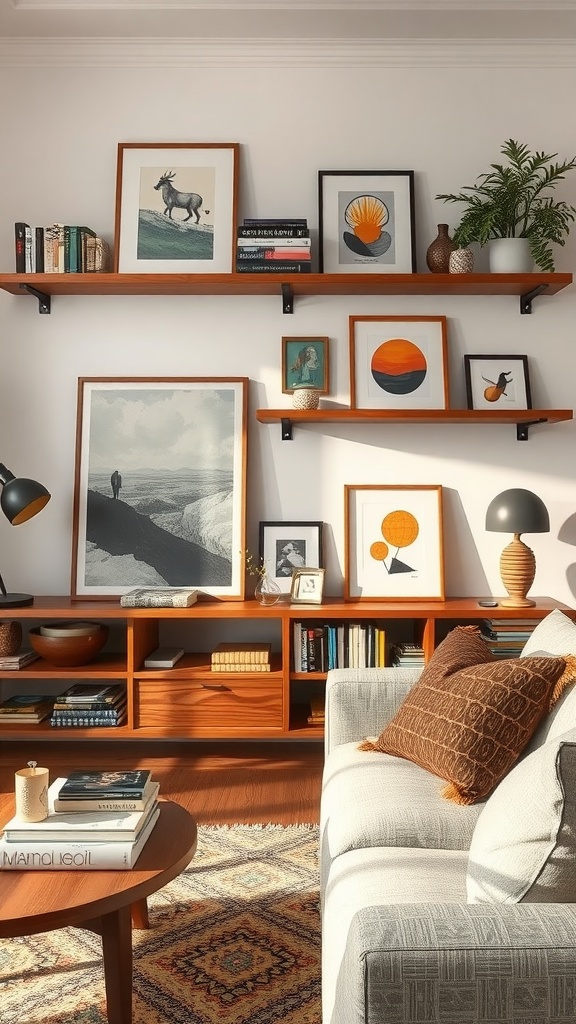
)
(461, 261)
(305, 397)
(438, 252)
(10, 638)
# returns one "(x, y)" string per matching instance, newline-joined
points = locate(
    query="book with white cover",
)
(78, 826)
(159, 597)
(70, 856)
(96, 803)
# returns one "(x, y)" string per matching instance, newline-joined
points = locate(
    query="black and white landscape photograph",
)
(159, 498)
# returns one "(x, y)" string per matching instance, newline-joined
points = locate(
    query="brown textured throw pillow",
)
(470, 714)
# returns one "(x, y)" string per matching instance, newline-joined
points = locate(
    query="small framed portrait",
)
(497, 382)
(393, 542)
(307, 586)
(305, 361)
(398, 362)
(366, 222)
(285, 547)
(176, 206)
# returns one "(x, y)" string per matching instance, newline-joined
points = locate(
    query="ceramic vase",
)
(305, 397)
(461, 261)
(510, 256)
(438, 252)
(267, 591)
(10, 638)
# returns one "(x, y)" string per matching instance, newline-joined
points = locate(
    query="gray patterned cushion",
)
(524, 844)
(555, 635)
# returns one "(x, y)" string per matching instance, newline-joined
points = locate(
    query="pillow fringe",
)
(568, 676)
(368, 745)
(451, 792)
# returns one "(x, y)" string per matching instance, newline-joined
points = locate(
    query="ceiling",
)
(302, 20)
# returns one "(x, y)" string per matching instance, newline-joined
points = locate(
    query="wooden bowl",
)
(68, 651)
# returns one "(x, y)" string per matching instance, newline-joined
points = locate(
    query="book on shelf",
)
(19, 660)
(259, 254)
(83, 693)
(73, 713)
(39, 232)
(99, 706)
(20, 228)
(77, 722)
(248, 243)
(274, 267)
(74, 855)
(300, 222)
(237, 652)
(31, 708)
(164, 657)
(126, 784)
(159, 597)
(78, 826)
(96, 803)
(242, 667)
(317, 710)
(272, 231)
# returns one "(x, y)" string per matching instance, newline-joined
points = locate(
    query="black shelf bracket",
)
(523, 428)
(44, 301)
(287, 299)
(286, 424)
(526, 299)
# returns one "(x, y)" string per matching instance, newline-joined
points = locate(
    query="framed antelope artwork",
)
(176, 207)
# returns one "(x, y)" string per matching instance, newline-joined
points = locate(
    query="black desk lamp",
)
(517, 511)
(20, 500)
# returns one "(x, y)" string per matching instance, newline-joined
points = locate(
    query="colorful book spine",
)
(272, 253)
(272, 231)
(20, 245)
(67, 855)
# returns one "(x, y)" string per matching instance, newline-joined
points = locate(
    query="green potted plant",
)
(513, 201)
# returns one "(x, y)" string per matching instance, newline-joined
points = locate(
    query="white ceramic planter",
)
(510, 256)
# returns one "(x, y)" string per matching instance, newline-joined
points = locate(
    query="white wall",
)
(59, 136)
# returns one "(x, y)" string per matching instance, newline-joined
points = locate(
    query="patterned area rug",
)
(234, 940)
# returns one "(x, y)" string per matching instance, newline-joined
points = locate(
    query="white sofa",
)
(435, 911)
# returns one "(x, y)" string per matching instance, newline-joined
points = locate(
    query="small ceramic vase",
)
(267, 591)
(461, 261)
(438, 252)
(305, 397)
(10, 638)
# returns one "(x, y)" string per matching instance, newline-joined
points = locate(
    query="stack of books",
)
(28, 708)
(338, 645)
(407, 655)
(317, 710)
(59, 249)
(96, 820)
(159, 597)
(274, 247)
(241, 657)
(90, 704)
(506, 637)
(12, 662)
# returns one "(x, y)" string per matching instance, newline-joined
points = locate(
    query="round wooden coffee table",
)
(106, 902)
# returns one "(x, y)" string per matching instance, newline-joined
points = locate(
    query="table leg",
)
(139, 911)
(116, 932)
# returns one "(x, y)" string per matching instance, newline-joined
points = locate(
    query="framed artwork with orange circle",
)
(398, 362)
(393, 542)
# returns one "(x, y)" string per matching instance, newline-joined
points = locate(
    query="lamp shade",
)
(20, 499)
(517, 511)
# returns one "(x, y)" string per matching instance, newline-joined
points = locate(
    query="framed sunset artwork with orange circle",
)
(398, 362)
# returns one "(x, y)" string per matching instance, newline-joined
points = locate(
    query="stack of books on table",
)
(274, 247)
(90, 704)
(59, 249)
(96, 820)
(241, 657)
(27, 708)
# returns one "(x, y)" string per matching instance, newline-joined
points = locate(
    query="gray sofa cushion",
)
(373, 799)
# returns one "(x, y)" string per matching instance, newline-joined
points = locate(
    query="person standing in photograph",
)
(116, 482)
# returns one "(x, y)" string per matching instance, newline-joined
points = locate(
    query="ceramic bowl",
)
(72, 628)
(68, 651)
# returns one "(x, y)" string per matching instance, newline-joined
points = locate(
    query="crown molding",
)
(136, 53)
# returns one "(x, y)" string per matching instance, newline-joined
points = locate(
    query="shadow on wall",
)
(567, 534)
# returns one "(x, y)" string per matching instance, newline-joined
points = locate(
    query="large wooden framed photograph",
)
(497, 382)
(366, 222)
(398, 362)
(305, 362)
(176, 207)
(286, 546)
(160, 485)
(393, 542)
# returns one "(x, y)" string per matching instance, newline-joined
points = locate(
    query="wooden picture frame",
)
(307, 586)
(393, 542)
(497, 382)
(286, 546)
(177, 516)
(366, 222)
(305, 361)
(398, 362)
(176, 207)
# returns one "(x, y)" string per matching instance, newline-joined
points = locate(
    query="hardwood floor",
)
(219, 783)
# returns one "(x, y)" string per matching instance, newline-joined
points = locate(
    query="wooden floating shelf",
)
(523, 419)
(44, 286)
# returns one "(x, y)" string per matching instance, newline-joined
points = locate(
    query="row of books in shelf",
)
(59, 249)
(318, 648)
(81, 705)
(238, 656)
(96, 820)
(274, 246)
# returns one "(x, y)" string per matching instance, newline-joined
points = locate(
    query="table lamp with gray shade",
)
(20, 500)
(517, 511)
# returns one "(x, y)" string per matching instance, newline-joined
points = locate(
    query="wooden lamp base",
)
(517, 569)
